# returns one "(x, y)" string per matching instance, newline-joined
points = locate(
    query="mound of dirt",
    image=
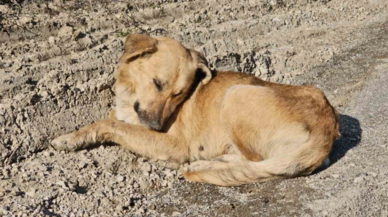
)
(57, 64)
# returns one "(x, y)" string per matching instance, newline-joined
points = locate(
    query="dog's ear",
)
(202, 65)
(136, 45)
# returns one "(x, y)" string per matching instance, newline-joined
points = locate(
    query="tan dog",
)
(234, 128)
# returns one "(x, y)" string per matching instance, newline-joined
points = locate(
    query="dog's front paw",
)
(66, 142)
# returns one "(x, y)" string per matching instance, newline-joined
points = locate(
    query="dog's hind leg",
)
(132, 137)
(266, 129)
(225, 173)
(238, 172)
(228, 158)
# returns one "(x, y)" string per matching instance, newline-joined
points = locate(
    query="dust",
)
(57, 61)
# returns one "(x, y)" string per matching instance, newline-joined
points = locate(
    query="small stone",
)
(65, 31)
(335, 176)
(62, 184)
(374, 175)
(82, 164)
(58, 2)
(120, 178)
(140, 211)
(6, 173)
(146, 168)
(31, 193)
(176, 214)
(47, 153)
(119, 207)
(51, 40)
(5, 210)
(168, 173)
(359, 179)
(25, 19)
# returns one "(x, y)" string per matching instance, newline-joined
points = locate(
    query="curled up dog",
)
(233, 128)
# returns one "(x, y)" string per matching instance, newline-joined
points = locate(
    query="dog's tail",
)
(233, 173)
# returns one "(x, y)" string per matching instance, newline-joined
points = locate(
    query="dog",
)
(224, 128)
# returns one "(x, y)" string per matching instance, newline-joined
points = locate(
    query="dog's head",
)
(155, 75)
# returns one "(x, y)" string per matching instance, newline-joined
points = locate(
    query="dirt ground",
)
(57, 60)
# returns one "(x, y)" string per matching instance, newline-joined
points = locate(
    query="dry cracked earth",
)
(57, 61)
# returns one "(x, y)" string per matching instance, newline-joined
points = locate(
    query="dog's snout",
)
(152, 120)
(156, 125)
(136, 107)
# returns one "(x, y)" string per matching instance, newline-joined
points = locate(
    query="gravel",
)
(57, 60)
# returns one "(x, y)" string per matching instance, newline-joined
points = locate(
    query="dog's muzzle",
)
(152, 121)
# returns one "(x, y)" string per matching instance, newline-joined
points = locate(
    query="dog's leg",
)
(226, 173)
(234, 173)
(228, 158)
(112, 115)
(132, 137)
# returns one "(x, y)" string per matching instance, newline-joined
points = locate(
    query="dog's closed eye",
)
(177, 93)
(158, 84)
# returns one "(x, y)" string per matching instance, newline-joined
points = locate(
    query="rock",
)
(5, 210)
(146, 168)
(58, 2)
(31, 193)
(25, 19)
(120, 178)
(82, 164)
(176, 214)
(65, 32)
(335, 176)
(62, 184)
(47, 153)
(359, 179)
(51, 40)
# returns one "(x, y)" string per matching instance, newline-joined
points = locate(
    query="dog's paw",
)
(65, 143)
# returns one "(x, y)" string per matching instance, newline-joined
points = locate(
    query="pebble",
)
(5, 210)
(120, 178)
(51, 40)
(62, 184)
(175, 214)
(335, 176)
(168, 173)
(146, 168)
(82, 164)
(47, 153)
(31, 193)
(359, 179)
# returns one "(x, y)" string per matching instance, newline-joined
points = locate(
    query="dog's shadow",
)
(351, 134)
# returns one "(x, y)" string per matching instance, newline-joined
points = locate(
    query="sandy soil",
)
(57, 60)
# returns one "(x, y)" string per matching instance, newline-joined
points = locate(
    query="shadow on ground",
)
(351, 132)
